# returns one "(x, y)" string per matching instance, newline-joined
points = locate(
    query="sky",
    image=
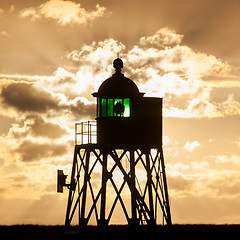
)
(54, 54)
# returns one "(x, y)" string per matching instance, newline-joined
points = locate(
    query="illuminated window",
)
(126, 102)
(103, 107)
(115, 107)
(110, 107)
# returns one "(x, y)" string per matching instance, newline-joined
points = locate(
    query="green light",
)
(103, 107)
(126, 102)
(110, 107)
(117, 100)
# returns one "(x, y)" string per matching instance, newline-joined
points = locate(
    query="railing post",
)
(90, 132)
(87, 131)
(75, 133)
(82, 132)
(88, 128)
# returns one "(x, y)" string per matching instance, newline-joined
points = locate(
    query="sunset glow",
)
(56, 53)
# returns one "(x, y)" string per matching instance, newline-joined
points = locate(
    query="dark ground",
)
(37, 232)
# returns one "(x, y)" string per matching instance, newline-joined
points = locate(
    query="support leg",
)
(102, 221)
(167, 206)
(132, 188)
(149, 186)
(71, 189)
(86, 178)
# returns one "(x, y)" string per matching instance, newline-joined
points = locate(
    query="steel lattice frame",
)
(103, 176)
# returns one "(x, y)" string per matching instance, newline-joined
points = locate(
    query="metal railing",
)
(85, 132)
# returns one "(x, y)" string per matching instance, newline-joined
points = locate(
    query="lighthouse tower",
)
(118, 164)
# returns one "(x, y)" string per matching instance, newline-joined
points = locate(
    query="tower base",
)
(112, 185)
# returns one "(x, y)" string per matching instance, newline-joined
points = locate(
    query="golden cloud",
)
(64, 12)
(160, 65)
(25, 97)
(34, 151)
(190, 146)
(163, 38)
(33, 98)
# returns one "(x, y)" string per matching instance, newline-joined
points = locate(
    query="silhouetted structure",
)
(119, 160)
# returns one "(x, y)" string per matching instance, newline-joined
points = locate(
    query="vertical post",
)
(149, 185)
(167, 206)
(88, 126)
(75, 133)
(82, 132)
(90, 132)
(84, 188)
(71, 189)
(133, 188)
(102, 222)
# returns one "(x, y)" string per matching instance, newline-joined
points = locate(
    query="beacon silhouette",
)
(118, 171)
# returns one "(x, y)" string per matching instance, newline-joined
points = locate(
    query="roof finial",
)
(118, 64)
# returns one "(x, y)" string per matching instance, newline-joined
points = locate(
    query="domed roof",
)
(117, 86)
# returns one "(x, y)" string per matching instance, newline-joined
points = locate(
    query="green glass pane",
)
(110, 107)
(126, 102)
(117, 100)
(103, 107)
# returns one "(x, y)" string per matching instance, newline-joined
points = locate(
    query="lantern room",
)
(124, 116)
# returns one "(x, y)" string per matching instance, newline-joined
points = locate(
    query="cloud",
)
(221, 94)
(24, 96)
(229, 107)
(36, 126)
(40, 127)
(64, 12)
(63, 77)
(180, 60)
(160, 66)
(81, 110)
(33, 98)
(92, 64)
(179, 182)
(163, 38)
(97, 55)
(233, 159)
(34, 151)
(30, 12)
(190, 146)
